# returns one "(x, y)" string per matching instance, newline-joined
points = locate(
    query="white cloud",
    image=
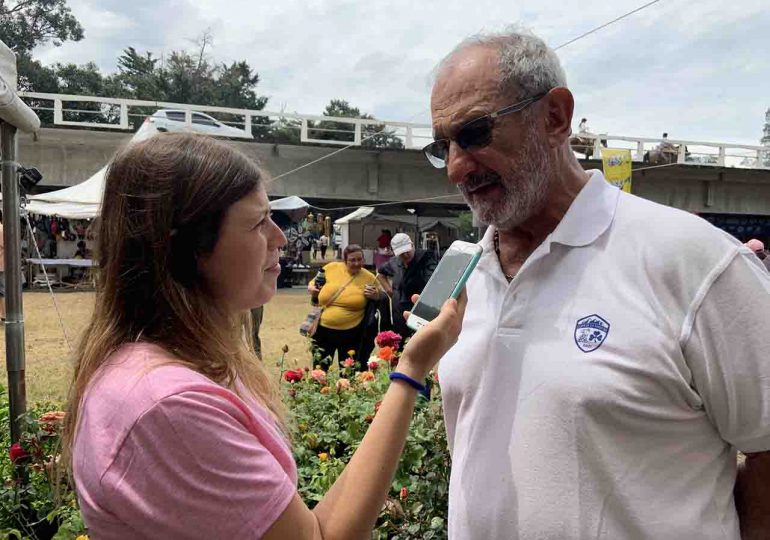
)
(699, 71)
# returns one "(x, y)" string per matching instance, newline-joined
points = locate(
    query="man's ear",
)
(559, 106)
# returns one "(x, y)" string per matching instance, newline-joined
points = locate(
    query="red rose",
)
(404, 493)
(388, 339)
(294, 375)
(373, 365)
(17, 453)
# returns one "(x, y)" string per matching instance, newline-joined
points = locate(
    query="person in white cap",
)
(758, 247)
(405, 274)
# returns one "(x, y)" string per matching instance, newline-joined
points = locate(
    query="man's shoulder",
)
(642, 220)
(670, 243)
(389, 267)
(423, 256)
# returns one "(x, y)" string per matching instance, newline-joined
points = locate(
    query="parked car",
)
(174, 120)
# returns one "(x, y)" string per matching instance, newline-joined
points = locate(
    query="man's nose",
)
(459, 163)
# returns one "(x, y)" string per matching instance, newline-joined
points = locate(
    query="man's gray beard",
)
(526, 188)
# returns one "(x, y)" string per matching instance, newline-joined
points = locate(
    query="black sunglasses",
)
(475, 134)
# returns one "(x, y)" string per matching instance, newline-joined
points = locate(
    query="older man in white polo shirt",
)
(614, 352)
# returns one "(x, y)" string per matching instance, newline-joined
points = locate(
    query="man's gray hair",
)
(527, 65)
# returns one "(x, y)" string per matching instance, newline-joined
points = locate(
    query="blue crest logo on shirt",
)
(590, 333)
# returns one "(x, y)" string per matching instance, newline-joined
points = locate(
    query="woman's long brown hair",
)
(163, 204)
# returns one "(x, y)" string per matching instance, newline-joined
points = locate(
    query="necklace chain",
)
(497, 251)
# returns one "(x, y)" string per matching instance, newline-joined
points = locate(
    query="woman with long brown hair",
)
(175, 429)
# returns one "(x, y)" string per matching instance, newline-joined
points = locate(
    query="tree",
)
(372, 135)
(25, 24)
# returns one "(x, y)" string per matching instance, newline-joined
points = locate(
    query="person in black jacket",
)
(405, 274)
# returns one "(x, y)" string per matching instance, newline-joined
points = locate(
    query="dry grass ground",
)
(49, 361)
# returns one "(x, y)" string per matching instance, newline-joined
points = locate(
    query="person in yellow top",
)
(341, 326)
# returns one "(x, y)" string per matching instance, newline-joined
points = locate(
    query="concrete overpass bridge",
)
(712, 178)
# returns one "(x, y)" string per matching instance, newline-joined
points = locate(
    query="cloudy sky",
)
(699, 69)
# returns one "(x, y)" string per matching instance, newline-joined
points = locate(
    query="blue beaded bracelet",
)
(396, 376)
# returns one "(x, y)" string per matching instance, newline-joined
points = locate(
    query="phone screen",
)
(442, 283)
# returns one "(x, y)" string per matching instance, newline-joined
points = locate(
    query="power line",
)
(605, 25)
(391, 203)
(578, 38)
(427, 199)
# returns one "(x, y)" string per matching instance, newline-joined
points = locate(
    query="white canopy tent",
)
(81, 201)
(365, 224)
(295, 207)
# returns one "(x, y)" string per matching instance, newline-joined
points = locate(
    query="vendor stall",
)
(364, 225)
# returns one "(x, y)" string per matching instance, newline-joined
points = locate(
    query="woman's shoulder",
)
(137, 376)
(335, 267)
(366, 275)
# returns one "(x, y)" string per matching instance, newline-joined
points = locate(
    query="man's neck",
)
(517, 243)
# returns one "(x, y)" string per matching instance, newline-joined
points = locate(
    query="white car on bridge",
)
(174, 120)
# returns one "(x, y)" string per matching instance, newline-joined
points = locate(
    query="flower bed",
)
(330, 415)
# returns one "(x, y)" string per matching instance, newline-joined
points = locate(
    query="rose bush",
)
(35, 502)
(327, 427)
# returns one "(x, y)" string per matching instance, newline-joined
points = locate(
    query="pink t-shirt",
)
(164, 452)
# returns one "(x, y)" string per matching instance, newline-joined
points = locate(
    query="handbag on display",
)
(309, 326)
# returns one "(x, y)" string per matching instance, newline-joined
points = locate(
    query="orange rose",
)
(326, 389)
(365, 376)
(386, 353)
(323, 456)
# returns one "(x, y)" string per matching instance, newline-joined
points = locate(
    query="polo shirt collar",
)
(589, 215)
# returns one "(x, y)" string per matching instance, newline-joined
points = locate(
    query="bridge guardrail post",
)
(58, 116)
(598, 147)
(124, 116)
(682, 156)
(721, 158)
(357, 134)
(247, 123)
(303, 130)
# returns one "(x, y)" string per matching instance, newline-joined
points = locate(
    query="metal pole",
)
(14, 321)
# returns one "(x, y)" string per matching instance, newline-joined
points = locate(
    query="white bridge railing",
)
(116, 113)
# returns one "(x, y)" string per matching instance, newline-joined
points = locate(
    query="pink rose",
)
(319, 376)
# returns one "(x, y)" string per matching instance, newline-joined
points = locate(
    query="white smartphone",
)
(447, 281)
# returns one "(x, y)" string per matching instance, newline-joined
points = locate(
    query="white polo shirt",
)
(604, 391)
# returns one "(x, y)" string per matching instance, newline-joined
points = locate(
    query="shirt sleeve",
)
(386, 269)
(728, 352)
(190, 468)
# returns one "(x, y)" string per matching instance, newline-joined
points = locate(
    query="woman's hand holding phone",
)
(427, 346)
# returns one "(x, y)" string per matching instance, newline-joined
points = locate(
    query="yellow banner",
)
(617, 167)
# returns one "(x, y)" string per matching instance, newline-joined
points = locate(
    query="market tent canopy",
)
(364, 225)
(295, 207)
(81, 201)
